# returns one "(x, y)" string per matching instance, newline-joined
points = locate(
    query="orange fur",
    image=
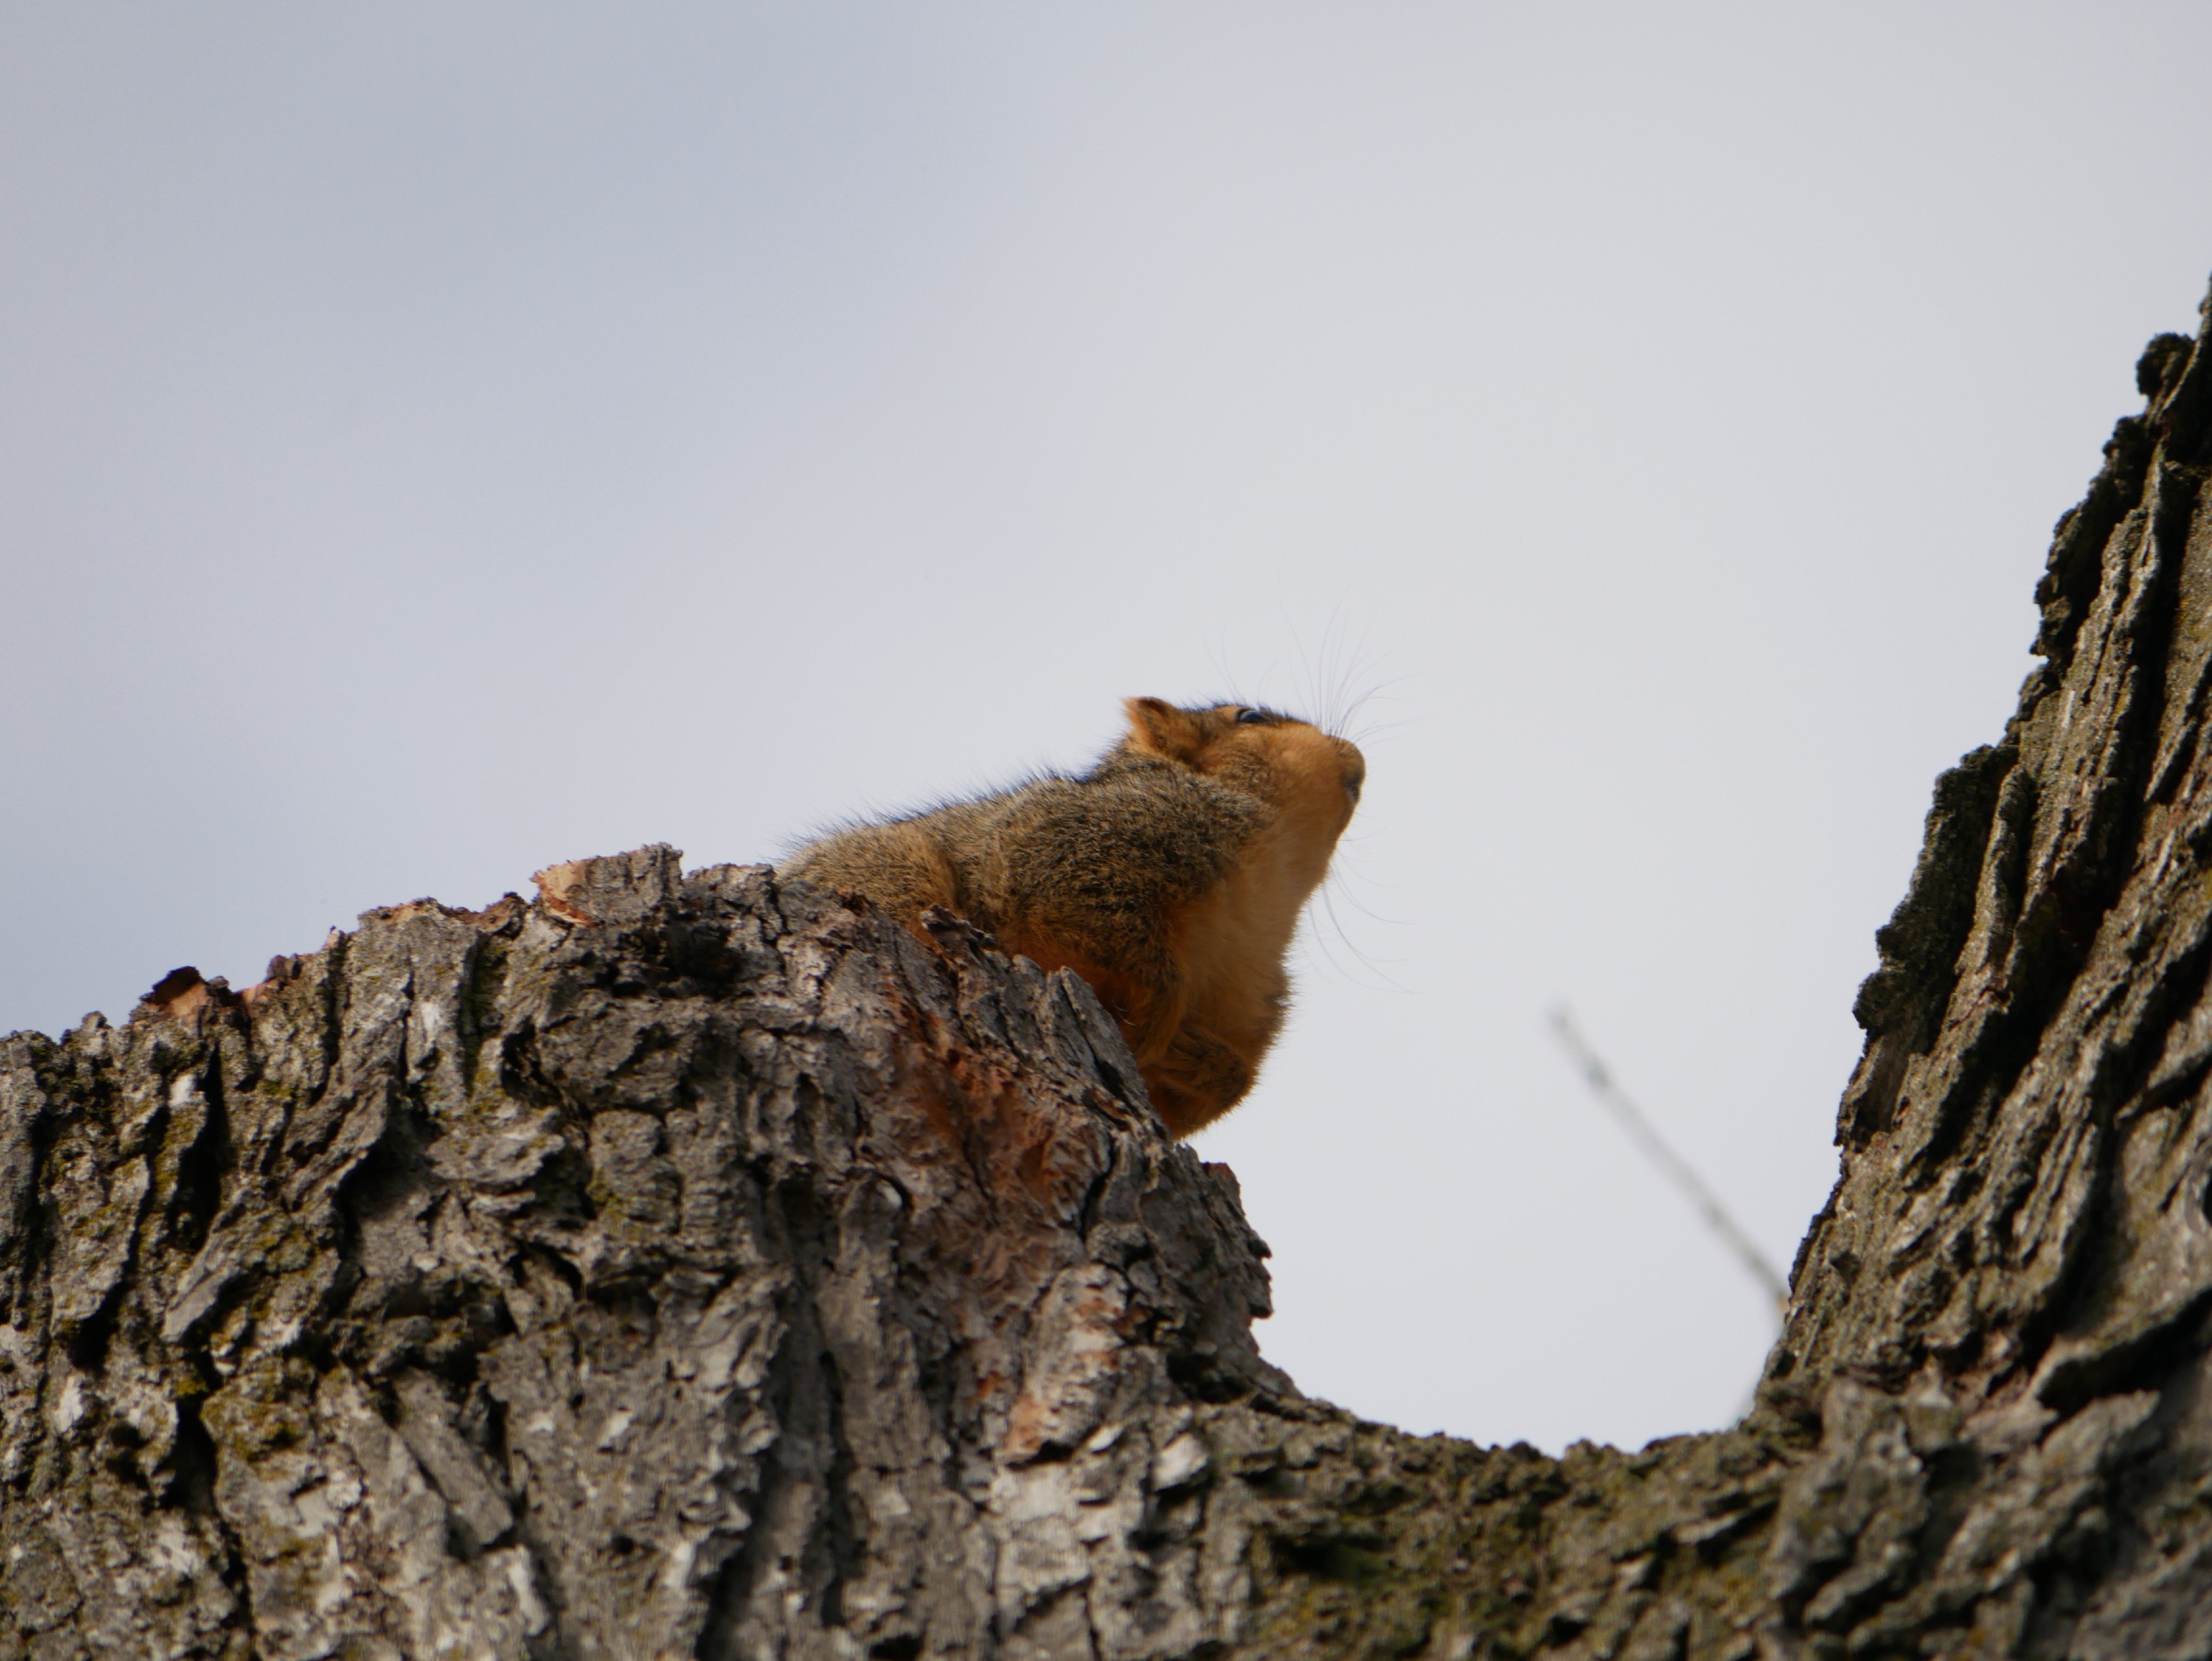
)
(1229, 944)
(1170, 878)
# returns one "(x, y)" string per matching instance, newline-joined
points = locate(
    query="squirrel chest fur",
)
(1170, 877)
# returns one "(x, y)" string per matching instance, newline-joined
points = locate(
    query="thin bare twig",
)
(1676, 1170)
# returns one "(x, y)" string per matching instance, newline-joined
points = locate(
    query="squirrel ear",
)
(1156, 727)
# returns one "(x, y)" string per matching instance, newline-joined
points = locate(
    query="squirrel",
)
(1170, 877)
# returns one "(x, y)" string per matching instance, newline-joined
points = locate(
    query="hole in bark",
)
(628, 1297)
(191, 1461)
(1087, 1214)
(1200, 1378)
(485, 1418)
(200, 1167)
(1333, 1557)
(87, 1345)
(904, 1647)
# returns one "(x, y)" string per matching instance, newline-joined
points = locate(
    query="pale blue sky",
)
(438, 441)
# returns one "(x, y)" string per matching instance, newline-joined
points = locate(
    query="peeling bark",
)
(696, 1265)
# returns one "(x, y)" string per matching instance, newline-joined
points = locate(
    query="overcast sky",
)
(436, 441)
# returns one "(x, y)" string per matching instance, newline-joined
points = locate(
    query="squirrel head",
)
(1307, 775)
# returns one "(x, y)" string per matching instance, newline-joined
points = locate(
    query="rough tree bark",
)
(692, 1265)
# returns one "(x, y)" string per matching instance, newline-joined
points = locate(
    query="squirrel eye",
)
(1254, 718)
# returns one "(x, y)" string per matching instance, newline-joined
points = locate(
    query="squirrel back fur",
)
(1170, 877)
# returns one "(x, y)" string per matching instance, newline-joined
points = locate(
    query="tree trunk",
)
(703, 1265)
